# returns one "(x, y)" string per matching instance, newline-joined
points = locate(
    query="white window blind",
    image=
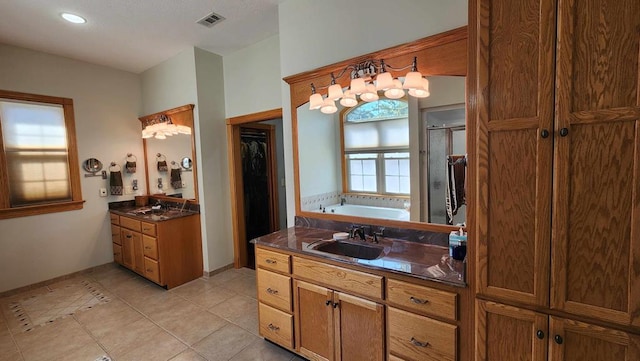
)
(381, 134)
(35, 144)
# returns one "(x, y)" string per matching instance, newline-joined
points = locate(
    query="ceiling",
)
(134, 35)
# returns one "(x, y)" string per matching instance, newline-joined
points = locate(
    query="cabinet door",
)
(128, 255)
(359, 327)
(506, 333)
(596, 237)
(138, 253)
(514, 70)
(314, 321)
(577, 341)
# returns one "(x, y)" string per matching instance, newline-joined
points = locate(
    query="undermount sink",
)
(349, 249)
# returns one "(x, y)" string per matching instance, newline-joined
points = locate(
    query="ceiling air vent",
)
(210, 20)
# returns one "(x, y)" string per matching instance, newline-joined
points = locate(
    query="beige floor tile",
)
(113, 277)
(189, 322)
(194, 287)
(210, 297)
(7, 346)
(163, 346)
(244, 285)
(222, 277)
(188, 355)
(88, 352)
(132, 285)
(102, 319)
(237, 309)
(121, 340)
(262, 350)
(52, 340)
(11, 356)
(224, 343)
(154, 302)
(246, 271)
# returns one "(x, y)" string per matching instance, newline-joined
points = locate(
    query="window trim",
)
(72, 153)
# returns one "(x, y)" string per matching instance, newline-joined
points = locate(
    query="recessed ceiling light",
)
(73, 18)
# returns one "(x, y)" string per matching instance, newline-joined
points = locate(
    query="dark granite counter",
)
(169, 211)
(424, 261)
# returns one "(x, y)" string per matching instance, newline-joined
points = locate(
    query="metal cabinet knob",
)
(564, 132)
(544, 133)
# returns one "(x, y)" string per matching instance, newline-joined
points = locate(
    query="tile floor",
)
(213, 319)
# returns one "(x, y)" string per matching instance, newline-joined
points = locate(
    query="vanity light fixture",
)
(73, 18)
(367, 79)
(162, 127)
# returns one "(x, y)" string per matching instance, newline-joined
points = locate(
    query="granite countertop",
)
(407, 258)
(147, 214)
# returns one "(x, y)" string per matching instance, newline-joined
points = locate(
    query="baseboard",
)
(56, 279)
(216, 271)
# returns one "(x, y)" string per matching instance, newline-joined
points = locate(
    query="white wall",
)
(252, 78)
(318, 33)
(196, 77)
(211, 145)
(107, 105)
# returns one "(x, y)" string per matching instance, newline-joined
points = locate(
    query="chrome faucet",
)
(357, 231)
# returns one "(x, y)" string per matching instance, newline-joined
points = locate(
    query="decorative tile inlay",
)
(57, 303)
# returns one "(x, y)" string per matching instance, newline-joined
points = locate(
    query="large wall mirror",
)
(170, 159)
(399, 162)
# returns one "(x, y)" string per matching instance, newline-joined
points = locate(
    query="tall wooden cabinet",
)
(557, 133)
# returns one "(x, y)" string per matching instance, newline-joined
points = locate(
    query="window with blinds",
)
(376, 147)
(38, 174)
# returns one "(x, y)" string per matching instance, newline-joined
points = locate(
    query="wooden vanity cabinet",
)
(557, 164)
(334, 325)
(168, 253)
(511, 333)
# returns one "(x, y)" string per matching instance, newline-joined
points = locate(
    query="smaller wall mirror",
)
(186, 163)
(92, 165)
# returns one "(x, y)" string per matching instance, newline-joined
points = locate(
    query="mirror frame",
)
(441, 54)
(182, 115)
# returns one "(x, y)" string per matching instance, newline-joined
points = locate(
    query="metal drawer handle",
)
(272, 291)
(149, 270)
(273, 328)
(418, 301)
(147, 247)
(129, 236)
(418, 343)
(270, 261)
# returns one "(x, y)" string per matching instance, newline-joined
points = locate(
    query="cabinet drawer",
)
(151, 270)
(117, 253)
(130, 223)
(339, 278)
(414, 337)
(150, 247)
(148, 228)
(422, 299)
(274, 289)
(273, 260)
(115, 234)
(276, 325)
(115, 219)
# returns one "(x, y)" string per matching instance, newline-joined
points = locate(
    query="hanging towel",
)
(115, 183)
(176, 179)
(130, 164)
(456, 174)
(162, 163)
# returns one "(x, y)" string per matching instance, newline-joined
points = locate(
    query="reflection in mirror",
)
(176, 180)
(186, 163)
(379, 163)
(174, 149)
(92, 165)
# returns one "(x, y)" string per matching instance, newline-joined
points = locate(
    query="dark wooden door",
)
(596, 203)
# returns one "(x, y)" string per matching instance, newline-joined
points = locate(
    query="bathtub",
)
(367, 211)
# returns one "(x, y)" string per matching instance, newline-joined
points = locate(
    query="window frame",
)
(380, 166)
(76, 202)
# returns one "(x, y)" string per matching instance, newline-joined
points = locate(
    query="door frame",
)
(235, 179)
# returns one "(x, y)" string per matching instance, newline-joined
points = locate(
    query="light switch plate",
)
(103, 192)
